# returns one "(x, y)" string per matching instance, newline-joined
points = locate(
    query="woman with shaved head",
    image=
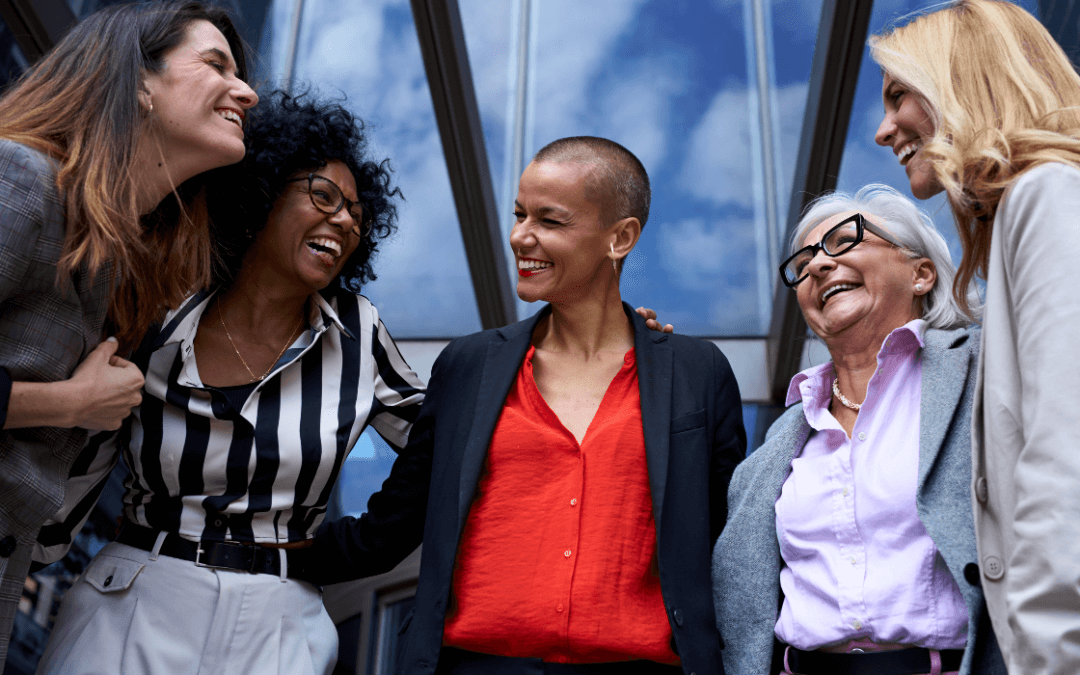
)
(579, 462)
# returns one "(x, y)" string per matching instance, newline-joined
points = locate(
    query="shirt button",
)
(573, 502)
(566, 553)
(562, 659)
(981, 492)
(862, 435)
(856, 624)
(558, 608)
(993, 568)
(854, 560)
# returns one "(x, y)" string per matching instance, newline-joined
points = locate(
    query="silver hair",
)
(913, 228)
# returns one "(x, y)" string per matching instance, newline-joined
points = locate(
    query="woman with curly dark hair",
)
(255, 392)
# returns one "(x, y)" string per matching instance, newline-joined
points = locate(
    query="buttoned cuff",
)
(5, 395)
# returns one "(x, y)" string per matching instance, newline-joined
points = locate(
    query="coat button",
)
(993, 568)
(981, 493)
(107, 582)
(678, 617)
(7, 546)
(971, 574)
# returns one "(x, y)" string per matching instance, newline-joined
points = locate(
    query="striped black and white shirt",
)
(261, 471)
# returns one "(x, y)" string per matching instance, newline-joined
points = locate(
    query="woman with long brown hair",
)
(981, 103)
(101, 229)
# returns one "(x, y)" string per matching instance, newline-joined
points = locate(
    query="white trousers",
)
(131, 614)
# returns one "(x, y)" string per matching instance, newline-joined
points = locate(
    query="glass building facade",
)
(722, 100)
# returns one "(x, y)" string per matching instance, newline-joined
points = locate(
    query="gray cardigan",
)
(746, 560)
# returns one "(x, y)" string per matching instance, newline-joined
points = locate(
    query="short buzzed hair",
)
(618, 181)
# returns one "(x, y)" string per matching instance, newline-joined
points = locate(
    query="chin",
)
(525, 296)
(923, 184)
(925, 191)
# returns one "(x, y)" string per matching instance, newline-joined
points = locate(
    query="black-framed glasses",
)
(327, 197)
(840, 239)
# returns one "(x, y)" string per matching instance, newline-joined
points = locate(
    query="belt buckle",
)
(199, 563)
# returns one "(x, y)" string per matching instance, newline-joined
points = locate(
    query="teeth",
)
(327, 243)
(907, 151)
(230, 115)
(532, 264)
(834, 290)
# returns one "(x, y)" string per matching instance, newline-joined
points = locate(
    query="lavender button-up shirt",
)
(858, 561)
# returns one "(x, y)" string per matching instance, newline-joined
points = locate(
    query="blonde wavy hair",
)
(1004, 98)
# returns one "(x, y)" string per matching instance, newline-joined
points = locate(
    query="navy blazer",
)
(747, 560)
(692, 422)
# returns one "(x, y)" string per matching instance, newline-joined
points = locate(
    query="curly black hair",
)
(287, 136)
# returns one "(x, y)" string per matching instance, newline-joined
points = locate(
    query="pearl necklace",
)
(844, 399)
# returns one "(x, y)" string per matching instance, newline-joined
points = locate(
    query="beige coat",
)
(1026, 425)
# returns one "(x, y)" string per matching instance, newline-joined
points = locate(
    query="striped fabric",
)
(262, 473)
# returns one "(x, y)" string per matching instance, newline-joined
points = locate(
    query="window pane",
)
(369, 52)
(678, 84)
(366, 467)
(12, 61)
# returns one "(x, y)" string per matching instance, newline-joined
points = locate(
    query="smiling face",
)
(198, 103)
(864, 294)
(905, 128)
(301, 247)
(559, 240)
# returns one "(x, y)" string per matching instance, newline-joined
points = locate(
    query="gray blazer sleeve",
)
(26, 180)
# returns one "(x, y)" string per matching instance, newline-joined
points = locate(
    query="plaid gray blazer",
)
(46, 329)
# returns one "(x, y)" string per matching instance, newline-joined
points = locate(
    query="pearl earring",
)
(918, 288)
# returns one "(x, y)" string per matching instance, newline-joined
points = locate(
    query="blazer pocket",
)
(683, 423)
(109, 574)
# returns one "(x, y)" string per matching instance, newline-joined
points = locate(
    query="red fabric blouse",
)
(558, 556)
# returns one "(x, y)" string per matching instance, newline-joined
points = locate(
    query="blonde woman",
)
(981, 103)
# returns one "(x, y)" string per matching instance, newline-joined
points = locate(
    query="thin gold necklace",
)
(241, 356)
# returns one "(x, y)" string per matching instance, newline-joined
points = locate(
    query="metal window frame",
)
(446, 62)
(37, 24)
(831, 94)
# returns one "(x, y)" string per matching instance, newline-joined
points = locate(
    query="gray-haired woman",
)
(850, 544)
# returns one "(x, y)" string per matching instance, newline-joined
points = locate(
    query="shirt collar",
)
(181, 324)
(906, 339)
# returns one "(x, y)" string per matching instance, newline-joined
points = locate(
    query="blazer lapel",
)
(505, 352)
(944, 375)
(654, 366)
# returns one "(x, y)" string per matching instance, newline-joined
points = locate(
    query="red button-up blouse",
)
(558, 556)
